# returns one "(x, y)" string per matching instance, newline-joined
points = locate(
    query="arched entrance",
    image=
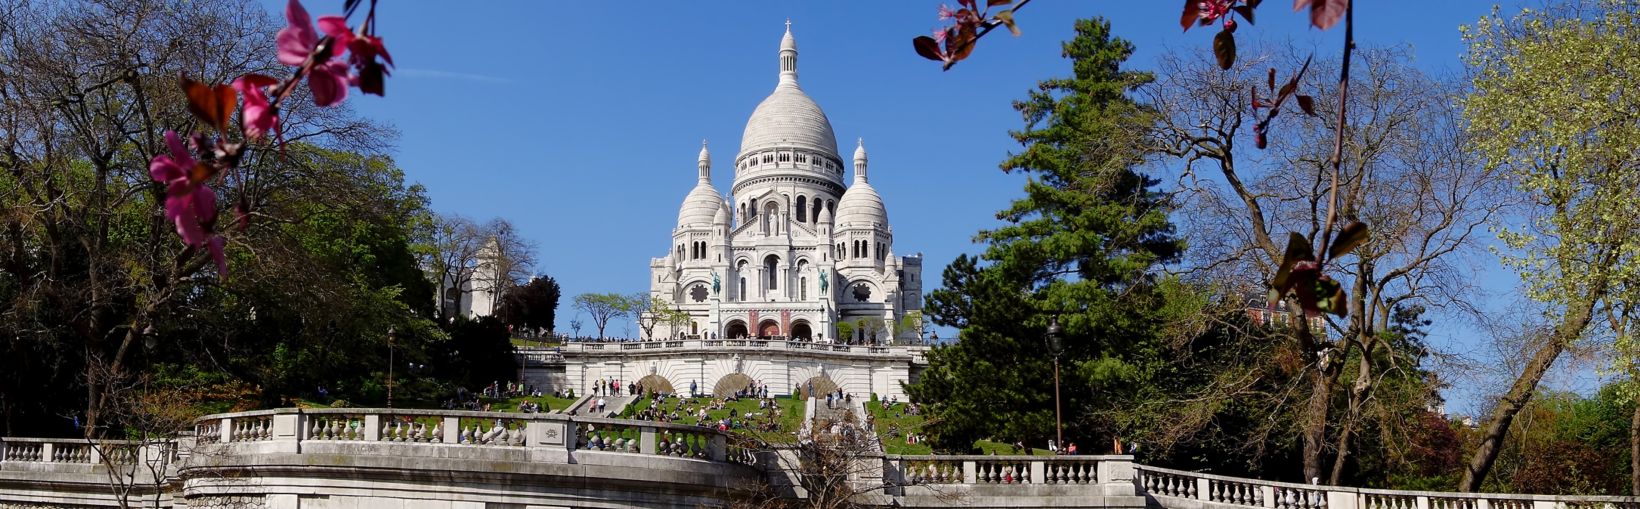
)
(656, 383)
(730, 384)
(817, 386)
(735, 329)
(768, 329)
(801, 330)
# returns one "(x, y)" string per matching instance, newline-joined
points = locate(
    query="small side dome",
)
(722, 218)
(861, 207)
(825, 215)
(702, 204)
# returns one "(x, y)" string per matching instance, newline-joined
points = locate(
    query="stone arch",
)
(802, 208)
(731, 383)
(656, 383)
(735, 329)
(768, 328)
(802, 330)
(817, 386)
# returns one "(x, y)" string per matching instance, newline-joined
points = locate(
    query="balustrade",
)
(252, 428)
(609, 436)
(411, 428)
(208, 430)
(488, 431)
(24, 451)
(933, 471)
(1385, 501)
(1451, 503)
(1299, 498)
(1167, 484)
(334, 427)
(683, 443)
(1003, 471)
(1232, 492)
(1070, 470)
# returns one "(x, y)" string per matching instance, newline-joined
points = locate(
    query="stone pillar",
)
(225, 430)
(1039, 472)
(452, 430)
(1421, 502)
(372, 427)
(1204, 487)
(970, 471)
(1350, 500)
(717, 447)
(646, 440)
(1267, 494)
(46, 451)
(286, 426)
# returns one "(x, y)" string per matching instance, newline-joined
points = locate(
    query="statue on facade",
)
(716, 284)
(822, 281)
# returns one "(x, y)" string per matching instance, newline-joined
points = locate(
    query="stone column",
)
(1116, 474)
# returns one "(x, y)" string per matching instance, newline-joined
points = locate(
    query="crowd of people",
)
(672, 408)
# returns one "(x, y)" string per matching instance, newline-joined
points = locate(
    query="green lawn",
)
(892, 425)
(533, 342)
(548, 403)
(791, 411)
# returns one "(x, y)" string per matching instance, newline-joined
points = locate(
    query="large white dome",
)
(788, 117)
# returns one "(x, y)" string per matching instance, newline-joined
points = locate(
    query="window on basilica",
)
(862, 292)
(698, 293)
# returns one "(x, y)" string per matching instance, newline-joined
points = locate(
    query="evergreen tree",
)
(1082, 244)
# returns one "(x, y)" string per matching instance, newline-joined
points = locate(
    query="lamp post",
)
(390, 334)
(1056, 347)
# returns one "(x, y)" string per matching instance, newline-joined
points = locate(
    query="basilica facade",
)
(795, 248)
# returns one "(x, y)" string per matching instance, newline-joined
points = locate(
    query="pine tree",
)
(1082, 244)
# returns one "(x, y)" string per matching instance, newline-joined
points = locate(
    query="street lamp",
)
(1056, 347)
(390, 333)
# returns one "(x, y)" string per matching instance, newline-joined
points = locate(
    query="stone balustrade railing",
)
(1177, 489)
(1003, 470)
(722, 344)
(461, 428)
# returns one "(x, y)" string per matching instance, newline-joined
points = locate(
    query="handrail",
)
(1354, 494)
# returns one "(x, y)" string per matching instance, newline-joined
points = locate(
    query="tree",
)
(603, 307)
(649, 313)
(451, 253)
(533, 305)
(92, 264)
(1081, 247)
(506, 259)
(1406, 174)
(1552, 107)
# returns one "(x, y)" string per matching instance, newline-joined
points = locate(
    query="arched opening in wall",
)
(735, 329)
(771, 264)
(694, 328)
(817, 387)
(816, 211)
(801, 330)
(768, 329)
(831, 206)
(730, 384)
(802, 208)
(742, 294)
(656, 383)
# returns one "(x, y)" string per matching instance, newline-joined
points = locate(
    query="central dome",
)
(788, 118)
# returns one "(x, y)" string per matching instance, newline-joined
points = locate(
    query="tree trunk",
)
(1634, 451)
(1315, 418)
(1571, 326)
(1363, 381)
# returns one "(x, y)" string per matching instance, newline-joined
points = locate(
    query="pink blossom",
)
(946, 13)
(328, 80)
(215, 248)
(259, 116)
(189, 204)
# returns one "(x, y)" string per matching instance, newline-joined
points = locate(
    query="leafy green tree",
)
(603, 307)
(1553, 106)
(1082, 244)
(533, 305)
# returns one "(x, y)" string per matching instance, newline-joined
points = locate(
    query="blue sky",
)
(580, 121)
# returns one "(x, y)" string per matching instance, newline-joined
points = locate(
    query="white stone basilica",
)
(793, 251)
